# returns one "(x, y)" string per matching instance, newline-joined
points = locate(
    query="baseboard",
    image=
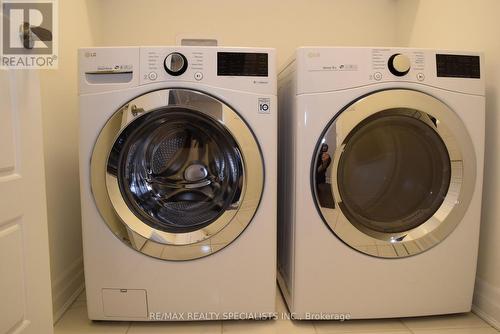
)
(66, 288)
(486, 303)
(60, 312)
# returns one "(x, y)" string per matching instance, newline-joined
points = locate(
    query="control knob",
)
(399, 64)
(175, 63)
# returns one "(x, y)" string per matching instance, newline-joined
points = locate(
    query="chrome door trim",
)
(463, 174)
(158, 243)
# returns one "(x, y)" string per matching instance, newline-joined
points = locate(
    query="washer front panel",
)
(176, 174)
(393, 173)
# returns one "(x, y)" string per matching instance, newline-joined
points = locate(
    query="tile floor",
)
(75, 321)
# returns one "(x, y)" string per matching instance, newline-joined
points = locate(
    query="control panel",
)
(235, 68)
(244, 69)
(407, 64)
(326, 69)
(161, 64)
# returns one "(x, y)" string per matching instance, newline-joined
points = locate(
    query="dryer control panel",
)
(328, 69)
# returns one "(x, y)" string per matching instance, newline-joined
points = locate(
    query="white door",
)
(25, 297)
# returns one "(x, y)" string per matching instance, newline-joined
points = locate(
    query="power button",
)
(152, 76)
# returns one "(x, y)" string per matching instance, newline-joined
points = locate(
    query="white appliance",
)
(381, 170)
(178, 169)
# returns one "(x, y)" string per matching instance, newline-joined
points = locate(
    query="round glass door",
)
(392, 157)
(171, 171)
(393, 173)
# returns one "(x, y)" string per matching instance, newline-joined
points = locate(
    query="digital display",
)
(457, 66)
(242, 64)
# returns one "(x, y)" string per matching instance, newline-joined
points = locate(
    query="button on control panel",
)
(198, 76)
(153, 76)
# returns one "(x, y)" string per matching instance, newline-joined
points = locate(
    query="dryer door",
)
(176, 174)
(394, 173)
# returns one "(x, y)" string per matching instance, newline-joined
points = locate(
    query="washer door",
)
(176, 174)
(394, 173)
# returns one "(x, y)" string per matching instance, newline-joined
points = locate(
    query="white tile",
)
(465, 320)
(267, 327)
(483, 330)
(75, 321)
(366, 326)
(191, 327)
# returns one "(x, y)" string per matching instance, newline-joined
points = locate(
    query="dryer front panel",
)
(393, 173)
(177, 174)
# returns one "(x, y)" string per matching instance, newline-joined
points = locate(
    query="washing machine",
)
(178, 165)
(381, 170)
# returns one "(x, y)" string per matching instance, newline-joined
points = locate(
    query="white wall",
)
(473, 25)
(60, 127)
(272, 23)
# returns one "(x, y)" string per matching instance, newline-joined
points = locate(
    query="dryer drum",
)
(394, 173)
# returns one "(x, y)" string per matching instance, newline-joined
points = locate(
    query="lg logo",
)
(29, 29)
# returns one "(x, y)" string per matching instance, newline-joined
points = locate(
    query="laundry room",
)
(324, 166)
